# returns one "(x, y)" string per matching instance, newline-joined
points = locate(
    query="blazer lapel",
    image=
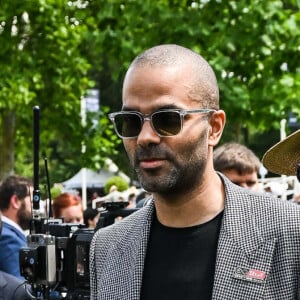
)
(126, 261)
(244, 257)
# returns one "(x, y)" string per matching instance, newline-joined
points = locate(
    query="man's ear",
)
(15, 202)
(217, 123)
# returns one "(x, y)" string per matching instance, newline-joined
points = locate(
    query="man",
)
(15, 205)
(11, 287)
(239, 164)
(202, 237)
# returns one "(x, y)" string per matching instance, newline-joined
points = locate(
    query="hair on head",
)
(204, 86)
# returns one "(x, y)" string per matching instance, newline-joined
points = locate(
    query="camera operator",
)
(11, 287)
(15, 205)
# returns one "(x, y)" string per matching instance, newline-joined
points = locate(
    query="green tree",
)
(42, 64)
(117, 181)
(252, 45)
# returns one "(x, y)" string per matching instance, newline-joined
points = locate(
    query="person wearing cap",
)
(201, 236)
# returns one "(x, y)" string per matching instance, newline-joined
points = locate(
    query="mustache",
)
(150, 152)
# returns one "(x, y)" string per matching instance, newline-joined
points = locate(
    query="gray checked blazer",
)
(258, 255)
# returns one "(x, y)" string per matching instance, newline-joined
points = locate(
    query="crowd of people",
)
(202, 223)
(16, 194)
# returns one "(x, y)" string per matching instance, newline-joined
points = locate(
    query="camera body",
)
(37, 259)
(56, 259)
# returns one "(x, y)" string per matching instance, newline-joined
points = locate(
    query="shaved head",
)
(203, 83)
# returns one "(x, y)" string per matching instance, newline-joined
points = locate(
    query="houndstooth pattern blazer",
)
(258, 255)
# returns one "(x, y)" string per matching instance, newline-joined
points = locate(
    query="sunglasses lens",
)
(166, 123)
(128, 125)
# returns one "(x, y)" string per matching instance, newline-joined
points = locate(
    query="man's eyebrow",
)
(125, 108)
(167, 106)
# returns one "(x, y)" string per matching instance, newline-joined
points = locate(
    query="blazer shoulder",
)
(262, 210)
(241, 197)
(129, 227)
(9, 230)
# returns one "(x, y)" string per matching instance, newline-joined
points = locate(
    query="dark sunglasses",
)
(165, 122)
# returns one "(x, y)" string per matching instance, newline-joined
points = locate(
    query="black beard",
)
(177, 181)
(24, 217)
(182, 176)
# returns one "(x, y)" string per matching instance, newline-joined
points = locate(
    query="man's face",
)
(165, 164)
(247, 180)
(24, 213)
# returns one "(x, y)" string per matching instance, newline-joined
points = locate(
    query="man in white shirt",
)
(12, 287)
(15, 206)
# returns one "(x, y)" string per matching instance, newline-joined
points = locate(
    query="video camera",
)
(56, 259)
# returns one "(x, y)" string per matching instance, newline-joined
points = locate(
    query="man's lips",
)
(151, 163)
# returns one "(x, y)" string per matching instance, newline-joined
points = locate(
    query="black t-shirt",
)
(180, 262)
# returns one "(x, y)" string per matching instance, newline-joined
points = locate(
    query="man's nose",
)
(147, 135)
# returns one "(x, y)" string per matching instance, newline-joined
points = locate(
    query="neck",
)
(194, 207)
(10, 215)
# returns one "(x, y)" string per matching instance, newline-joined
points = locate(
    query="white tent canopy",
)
(93, 179)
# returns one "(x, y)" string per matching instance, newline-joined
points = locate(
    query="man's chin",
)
(155, 185)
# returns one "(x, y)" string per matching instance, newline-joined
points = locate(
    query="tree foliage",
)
(53, 50)
(252, 45)
(120, 184)
(42, 64)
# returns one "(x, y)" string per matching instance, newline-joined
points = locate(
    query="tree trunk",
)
(7, 153)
